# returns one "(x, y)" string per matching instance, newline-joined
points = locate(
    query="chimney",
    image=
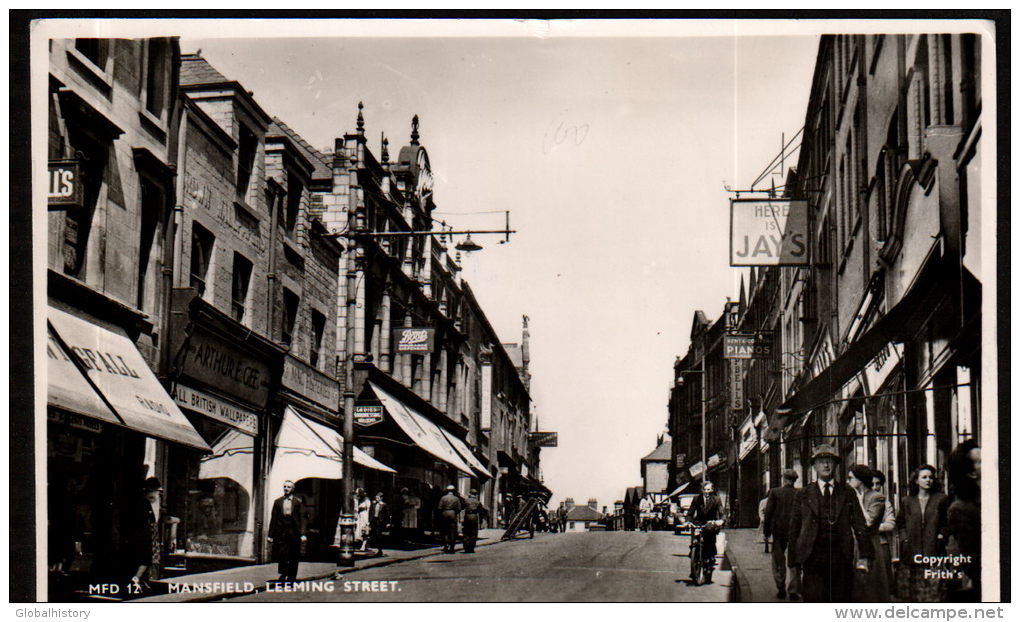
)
(593, 504)
(570, 503)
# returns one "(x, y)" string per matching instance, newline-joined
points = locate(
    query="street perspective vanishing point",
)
(693, 317)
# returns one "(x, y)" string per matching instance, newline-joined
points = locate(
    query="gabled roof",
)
(197, 70)
(662, 453)
(280, 129)
(582, 513)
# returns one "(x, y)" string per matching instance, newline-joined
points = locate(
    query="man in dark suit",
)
(287, 532)
(826, 520)
(707, 510)
(778, 509)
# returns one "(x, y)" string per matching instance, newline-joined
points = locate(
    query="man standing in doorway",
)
(287, 532)
(826, 520)
(449, 507)
(776, 525)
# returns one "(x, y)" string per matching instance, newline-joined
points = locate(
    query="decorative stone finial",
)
(385, 150)
(414, 130)
(361, 118)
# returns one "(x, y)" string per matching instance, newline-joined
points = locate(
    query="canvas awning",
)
(466, 453)
(117, 386)
(423, 432)
(306, 448)
(679, 489)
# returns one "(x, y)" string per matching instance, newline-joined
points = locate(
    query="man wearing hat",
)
(473, 510)
(449, 507)
(825, 522)
(776, 525)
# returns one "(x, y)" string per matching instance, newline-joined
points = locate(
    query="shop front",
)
(223, 378)
(105, 410)
(427, 458)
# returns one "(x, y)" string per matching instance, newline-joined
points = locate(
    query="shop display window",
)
(214, 494)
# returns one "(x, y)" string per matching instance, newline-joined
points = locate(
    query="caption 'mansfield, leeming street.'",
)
(269, 378)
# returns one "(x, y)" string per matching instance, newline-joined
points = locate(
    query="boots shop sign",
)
(414, 339)
(65, 188)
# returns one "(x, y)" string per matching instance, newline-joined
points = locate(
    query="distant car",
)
(683, 504)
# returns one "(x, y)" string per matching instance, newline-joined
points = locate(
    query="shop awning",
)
(466, 453)
(890, 327)
(119, 388)
(423, 432)
(306, 448)
(679, 489)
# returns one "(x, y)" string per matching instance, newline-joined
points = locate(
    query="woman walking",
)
(363, 506)
(872, 586)
(921, 527)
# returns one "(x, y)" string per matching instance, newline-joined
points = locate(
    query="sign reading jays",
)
(768, 232)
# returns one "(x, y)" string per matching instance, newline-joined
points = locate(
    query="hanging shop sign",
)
(368, 415)
(736, 385)
(758, 346)
(544, 439)
(65, 189)
(768, 232)
(216, 408)
(414, 339)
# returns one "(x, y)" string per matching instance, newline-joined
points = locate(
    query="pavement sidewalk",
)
(752, 567)
(222, 584)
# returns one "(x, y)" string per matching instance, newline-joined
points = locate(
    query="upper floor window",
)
(290, 313)
(157, 76)
(318, 330)
(294, 191)
(241, 285)
(202, 243)
(152, 211)
(96, 50)
(246, 148)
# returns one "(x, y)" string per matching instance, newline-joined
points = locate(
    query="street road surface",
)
(596, 566)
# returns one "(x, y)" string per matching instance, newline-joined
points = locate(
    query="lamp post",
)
(704, 381)
(354, 267)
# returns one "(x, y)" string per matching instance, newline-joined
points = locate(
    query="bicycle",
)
(701, 565)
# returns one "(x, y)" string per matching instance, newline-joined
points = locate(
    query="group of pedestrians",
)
(834, 542)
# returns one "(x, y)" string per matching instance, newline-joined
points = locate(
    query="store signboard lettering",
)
(368, 415)
(215, 408)
(217, 363)
(768, 232)
(414, 339)
(65, 187)
(747, 346)
(310, 383)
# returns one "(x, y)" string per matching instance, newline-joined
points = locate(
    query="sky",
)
(611, 152)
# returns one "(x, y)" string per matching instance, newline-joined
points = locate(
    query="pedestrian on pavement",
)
(776, 525)
(707, 511)
(287, 532)
(142, 535)
(873, 586)
(363, 506)
(410, 505)
(963, 519)
(645, 508)
(378, 522)
(921, 525)
(886, 531)
(826, 521)
(473, 512)
(449, 507)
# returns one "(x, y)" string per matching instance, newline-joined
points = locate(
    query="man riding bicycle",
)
(706, 511)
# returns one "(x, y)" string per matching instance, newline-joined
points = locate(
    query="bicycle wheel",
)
(696, 563)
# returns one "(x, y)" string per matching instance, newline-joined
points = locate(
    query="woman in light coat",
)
(873, 586)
